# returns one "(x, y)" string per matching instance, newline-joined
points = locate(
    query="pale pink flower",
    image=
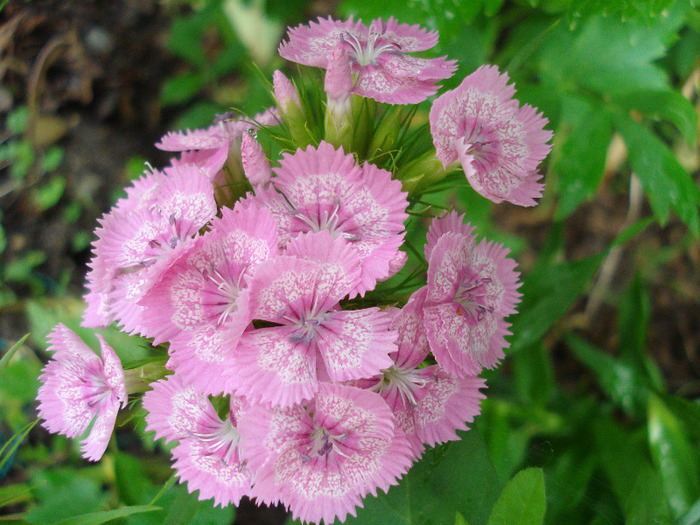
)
(210, 148)
(429, 403)
(378, 53)
(135, 245)
(208, 454)
(200, 303)
(324, 189)
(79, 388)
(471, 288)
(321, 458)
(300, 292)
(498, 143)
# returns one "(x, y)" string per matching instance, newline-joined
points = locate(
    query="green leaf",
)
(534, 376)
(625, 386)
(674, 457)
(634, 314)
(95, 518)
(9, 449)
(181, 88)
(8, 355)
(579, 153)
(14, 494)
(48, 195)
(64, 493)
(665, 181)
(692, 517)
(624, 9)
(459, 519)
(605, 57)
(132, 484)
(506, 439)
(522, 501)
(665, 105)
(623, 455)
(456, 477)
(548, 291)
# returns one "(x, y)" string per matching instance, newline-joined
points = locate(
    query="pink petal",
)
(498, 144)
(356, 343)
(271, 369)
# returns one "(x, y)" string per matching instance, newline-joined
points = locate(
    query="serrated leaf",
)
(548, 291)
(605, 57)
(96, 518)
(667, 184)
(580, 150)
(522, 501)
(644, 10)
(456, 477)
(665, 105)
(674, 457)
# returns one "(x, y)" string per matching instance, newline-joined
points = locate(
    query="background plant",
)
(595, 418)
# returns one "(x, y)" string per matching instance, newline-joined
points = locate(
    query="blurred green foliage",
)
(615, 446)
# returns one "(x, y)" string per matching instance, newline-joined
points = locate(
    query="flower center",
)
(366, 53)
(322, 443)
(222, 439)
(405, 380)
(228, 292)
(470, 298)
(327, 219)
(306, 328)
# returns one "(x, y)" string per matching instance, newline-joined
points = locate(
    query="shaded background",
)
(600, 388)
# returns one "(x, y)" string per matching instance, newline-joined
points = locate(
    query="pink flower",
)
(136, 243)
(200, 303)
(79, 387)
(209, 148)
(312, 337)
(471, 289)
(208, 455)
(498, 144)
(321, 458)
(429, 403)
(324, 189)
(384, 72)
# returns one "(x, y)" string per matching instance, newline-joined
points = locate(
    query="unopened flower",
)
(322, 457)
(378, 54)
(498, 143)
(286, 94)
(78, 387)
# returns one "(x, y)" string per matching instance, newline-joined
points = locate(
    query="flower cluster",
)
(308, 362)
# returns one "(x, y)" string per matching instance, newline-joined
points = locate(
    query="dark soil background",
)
(90, 73)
